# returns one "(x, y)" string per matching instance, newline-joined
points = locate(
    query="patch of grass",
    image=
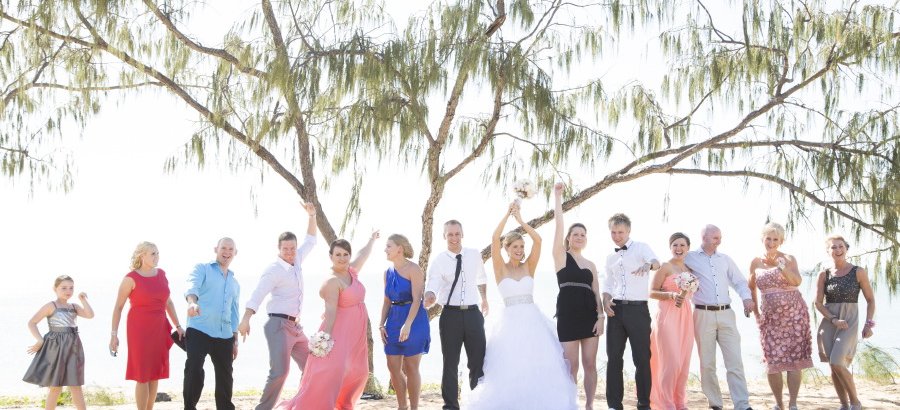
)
(103, 397)
(876, 364)
(247, 393)
(431, 387)
(815, 377)
(16, 401)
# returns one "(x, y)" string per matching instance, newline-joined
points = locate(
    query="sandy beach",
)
(812, 396)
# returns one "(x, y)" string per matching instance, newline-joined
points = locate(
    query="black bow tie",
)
(623, 248)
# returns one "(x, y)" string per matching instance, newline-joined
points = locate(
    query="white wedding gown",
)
(524, 366)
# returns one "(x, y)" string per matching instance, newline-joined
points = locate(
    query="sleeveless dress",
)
(841, 297)
(60, 362)
(148, 328)
(399, 289)
(784, 328)
(337, 380)
(524, 366)
(671, 341)
(576, 305)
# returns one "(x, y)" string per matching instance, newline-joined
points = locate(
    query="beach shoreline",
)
(812, 396)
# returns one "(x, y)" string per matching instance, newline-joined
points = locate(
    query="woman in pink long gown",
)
(672, 334)
(337, 380)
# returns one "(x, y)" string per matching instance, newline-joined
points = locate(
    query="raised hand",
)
(82, 297)
(375, 235)
(310, 208)
(558, 188)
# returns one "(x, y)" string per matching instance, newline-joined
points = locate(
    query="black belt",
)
(713, 307)
(401, 302)
(630, 302)
(463, 307)
(283, 316)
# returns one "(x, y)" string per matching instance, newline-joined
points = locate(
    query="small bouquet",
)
(524, 189)
(320, 344)
(687, 282)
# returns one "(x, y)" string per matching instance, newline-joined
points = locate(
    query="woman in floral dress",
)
(783, 318)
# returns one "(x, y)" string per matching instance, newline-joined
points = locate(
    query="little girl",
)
(60, 357)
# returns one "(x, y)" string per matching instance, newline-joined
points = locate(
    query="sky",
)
(122, 196)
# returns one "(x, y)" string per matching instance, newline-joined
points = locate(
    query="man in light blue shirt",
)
(714, 320)
(212, 323)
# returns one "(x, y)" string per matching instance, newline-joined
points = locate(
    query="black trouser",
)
(198, 345)
(632, 323)
(458, 328)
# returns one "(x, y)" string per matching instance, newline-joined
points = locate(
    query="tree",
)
(795, 83)
(312, 89)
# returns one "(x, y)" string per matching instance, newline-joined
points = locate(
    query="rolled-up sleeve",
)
(234, 308)
(433, 281)
(608, 281)
(648, 254)
(195, 281)
(265, 285)
(480, 276)
(738, 281)
(305, 248)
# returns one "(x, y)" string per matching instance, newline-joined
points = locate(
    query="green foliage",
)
(876, 364)
(797, 97)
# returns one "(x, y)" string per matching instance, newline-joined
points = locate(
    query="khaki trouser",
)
(711, 327)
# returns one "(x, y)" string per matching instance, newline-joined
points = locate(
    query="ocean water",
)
(251, 366)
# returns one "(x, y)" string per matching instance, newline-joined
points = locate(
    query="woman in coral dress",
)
(672, 334)
(147, 290)
(337, 380)
(783, 318)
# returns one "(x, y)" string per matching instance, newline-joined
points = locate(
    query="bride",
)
(524, 366)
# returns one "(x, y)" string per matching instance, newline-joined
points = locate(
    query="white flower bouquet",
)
(524, 189)
(687, 282)
(320, 344)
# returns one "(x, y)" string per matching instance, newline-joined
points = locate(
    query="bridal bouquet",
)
(524, 189)
(687, 283)
(320, 344)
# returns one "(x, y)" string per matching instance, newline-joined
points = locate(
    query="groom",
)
(456, 278)
(625, 294)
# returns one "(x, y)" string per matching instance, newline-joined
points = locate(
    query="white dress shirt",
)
(716, 272)
(620, 283)
(442, 270)
(285, 282)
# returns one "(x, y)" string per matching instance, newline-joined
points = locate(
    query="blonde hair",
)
(773, 227)
(60, 279)
(836, 237)
(402, 242)
(511, 237)
(139, 251)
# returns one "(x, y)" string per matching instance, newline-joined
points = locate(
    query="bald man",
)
(212, 324)
(714, 320)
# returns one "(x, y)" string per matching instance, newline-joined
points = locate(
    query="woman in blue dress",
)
(404, 330)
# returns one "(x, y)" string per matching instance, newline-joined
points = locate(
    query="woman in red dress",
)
(147, 289)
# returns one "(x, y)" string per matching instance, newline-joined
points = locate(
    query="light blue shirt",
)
(716, 273)
(217, 296)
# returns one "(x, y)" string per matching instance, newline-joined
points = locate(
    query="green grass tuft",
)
(876, 364)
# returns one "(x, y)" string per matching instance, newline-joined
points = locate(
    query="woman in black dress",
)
(578, 321)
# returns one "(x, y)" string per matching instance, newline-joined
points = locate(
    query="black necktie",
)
(455, 277)
(624, 247)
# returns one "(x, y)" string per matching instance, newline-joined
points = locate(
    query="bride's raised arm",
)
(535, 253)
(496, 257)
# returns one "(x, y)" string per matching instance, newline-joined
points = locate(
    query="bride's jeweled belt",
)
(518, 300)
